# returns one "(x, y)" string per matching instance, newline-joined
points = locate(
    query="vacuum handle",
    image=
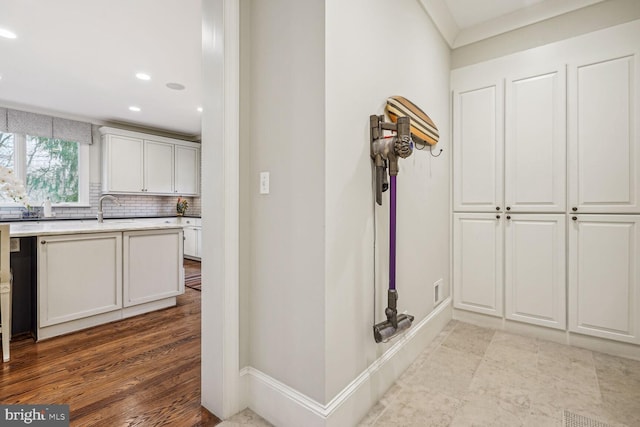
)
(392, 235)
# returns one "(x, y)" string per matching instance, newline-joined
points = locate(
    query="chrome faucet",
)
(106, 196)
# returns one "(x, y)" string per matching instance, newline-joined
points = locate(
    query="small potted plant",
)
(182, 206)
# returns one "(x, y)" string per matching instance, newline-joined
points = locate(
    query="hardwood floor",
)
(142, 371)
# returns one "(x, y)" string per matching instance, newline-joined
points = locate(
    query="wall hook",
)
(431, 152)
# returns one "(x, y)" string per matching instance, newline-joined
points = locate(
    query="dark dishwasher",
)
(23, 268)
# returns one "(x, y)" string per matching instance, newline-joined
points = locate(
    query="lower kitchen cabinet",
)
(535, 273)
(604, 288)
(477, 263)
(79, 275)
(152, 267)
(192, 238)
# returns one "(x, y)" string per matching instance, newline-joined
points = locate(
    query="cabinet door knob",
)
(497, 208)
(574, 218)
(574, 209)
(43, 242)
(508, 216)
(508, 208)
(497, 216)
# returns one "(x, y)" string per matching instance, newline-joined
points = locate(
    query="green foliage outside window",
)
(52, 170)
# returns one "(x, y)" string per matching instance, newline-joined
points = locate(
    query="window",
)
(49, 168)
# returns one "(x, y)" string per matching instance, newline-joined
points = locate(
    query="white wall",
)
(376, 49)
(286, 304)
(598, 16)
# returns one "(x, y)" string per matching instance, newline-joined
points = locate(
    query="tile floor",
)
(472, 376)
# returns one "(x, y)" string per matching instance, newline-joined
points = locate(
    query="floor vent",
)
(575, 420)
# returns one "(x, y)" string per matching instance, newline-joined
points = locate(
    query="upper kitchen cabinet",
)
(604, 132)
(123, 164)
(187, 170)
(158, 167)
(477, 145)
(136, 163)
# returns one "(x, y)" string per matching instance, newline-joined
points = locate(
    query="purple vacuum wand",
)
(385, 151)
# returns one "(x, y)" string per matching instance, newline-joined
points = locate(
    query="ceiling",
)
(78, 59)
(462, 22)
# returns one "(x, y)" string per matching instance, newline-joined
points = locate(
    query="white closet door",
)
(477, 147)
(604, 290)
(477, 262)
(535, 144)
(535, 274)
(604, 152)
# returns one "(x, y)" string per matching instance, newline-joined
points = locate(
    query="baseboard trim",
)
(284, 406)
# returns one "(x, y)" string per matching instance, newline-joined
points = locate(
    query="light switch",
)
(264, 182)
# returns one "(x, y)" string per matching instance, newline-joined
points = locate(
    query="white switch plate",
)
(264, 182)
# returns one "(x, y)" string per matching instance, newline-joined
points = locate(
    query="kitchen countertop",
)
(49, 227)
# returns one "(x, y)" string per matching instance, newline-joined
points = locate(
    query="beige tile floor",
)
(472, 376)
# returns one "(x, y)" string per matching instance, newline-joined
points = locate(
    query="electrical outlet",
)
(437, 292)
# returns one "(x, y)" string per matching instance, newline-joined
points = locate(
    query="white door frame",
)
(221, 391)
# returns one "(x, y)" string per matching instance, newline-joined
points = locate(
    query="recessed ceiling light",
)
(7, 34)
(134, 108)
(143, 76)
(175, 86)
(199, 109)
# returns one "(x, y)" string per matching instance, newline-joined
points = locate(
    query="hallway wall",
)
(376, 49)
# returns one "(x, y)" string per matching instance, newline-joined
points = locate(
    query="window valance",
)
(23, 122)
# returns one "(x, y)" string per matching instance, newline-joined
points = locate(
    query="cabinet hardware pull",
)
(508, 208)
(497, 208)
(508, 216)
(574, 218)
(574, 209)
(497, 216)
(44, 242)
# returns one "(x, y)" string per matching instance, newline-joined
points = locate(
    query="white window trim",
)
(19, 162)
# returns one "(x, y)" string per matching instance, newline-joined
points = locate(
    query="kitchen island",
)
(89, 273)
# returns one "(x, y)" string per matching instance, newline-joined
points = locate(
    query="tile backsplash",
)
(131, 206)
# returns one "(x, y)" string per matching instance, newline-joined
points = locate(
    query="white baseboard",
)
(284, 406)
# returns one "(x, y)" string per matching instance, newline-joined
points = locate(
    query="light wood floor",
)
(142, 371)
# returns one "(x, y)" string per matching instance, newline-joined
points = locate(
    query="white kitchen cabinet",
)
(137, 163)
(604, 288)
(123, 164)
(535, 143)
(187, 170)
(604, 129)
(192, 238)
(477, 145)
(535, 273)
(192, 242)
(79, 276)
(477, 262)
(158, 167)
(152, 266)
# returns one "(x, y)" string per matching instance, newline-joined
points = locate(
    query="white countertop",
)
(48, 228)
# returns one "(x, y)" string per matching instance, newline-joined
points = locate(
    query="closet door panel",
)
(604, 153)
(478, 141)
(535, 144)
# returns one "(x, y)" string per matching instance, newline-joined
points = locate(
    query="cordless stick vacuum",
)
(410, 125)
(385, 152)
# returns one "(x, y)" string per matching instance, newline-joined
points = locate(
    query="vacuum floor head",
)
(384, 331)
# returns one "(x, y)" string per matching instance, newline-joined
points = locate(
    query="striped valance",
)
(26, 123)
